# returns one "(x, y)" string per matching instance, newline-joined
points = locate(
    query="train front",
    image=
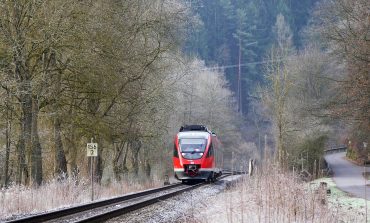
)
(191, 158)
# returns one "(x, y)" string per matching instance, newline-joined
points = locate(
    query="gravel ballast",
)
(179, 208)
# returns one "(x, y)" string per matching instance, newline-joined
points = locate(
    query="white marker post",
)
(365, 175)
(92, 152)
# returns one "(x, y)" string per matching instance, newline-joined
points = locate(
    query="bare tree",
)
(280, 79)
(344, 25)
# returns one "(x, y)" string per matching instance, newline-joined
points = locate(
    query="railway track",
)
(234, 172)
(110, 208)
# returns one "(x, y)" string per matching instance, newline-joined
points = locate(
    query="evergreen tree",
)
(226, 27)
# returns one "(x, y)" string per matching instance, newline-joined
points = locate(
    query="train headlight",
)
(183, 154)
(201, 154)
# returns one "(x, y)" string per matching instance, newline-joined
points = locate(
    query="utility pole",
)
(239, 78)
(265, 152)
(239, 93)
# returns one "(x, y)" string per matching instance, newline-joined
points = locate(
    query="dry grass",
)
(274, 196)
(21, 201)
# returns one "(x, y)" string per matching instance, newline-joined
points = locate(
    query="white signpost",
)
(92, 152)
(92, 149)
(366, 177)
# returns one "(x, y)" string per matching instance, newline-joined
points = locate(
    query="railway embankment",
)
(139, 207)
(277, 196)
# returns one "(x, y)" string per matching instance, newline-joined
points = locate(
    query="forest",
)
(281, 78)
(299, 71)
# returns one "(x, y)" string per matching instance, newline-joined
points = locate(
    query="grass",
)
(18, 201)
(341, 200)
(273, 195)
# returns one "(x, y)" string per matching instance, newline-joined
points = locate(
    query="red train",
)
(197, 154)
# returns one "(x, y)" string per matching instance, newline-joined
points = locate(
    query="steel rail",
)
(85, 207)
(55, 215)
(124, 210)
(234, 172)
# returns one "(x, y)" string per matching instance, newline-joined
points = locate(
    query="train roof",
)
(193, 134)
(186, 128)
(194, 131)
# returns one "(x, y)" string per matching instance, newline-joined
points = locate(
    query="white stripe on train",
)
(201, 169)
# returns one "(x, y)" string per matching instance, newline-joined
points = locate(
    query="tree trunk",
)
(119, 166)
(280, 146)
(60, 158)
(60, 168)
(135, 148)
(7, 151)
(147, 168)
(145, 155)
(23, 78)
(36, 159)
(71, 150)
(24, 144)
(71, 155)
(99, 164)
(8, 131)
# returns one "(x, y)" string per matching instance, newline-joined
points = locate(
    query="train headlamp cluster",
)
(183, 154)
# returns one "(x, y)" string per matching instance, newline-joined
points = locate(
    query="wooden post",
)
(265, 152)
(251, 167)
(166, 180)
(232, 163)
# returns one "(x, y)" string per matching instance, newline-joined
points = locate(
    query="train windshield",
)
(192, 148)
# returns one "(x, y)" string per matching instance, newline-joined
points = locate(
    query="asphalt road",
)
(348, 176)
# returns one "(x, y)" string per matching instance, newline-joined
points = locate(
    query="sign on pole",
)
(92, 152)
(92, 149)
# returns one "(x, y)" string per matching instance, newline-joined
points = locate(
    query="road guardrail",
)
(336, 150)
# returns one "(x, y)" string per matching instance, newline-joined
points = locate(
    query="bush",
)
(351, 154)
(309, 153)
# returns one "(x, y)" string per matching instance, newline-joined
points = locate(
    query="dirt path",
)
(347, 175)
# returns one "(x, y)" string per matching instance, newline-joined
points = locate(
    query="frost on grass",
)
(341, 201)
(276, 196)
(19, 201)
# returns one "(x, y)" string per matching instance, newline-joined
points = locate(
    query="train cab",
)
(196, 154)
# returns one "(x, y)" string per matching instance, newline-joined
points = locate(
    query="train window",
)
(175, 152)
(210, 151)
(192, 148)
(193, 145)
